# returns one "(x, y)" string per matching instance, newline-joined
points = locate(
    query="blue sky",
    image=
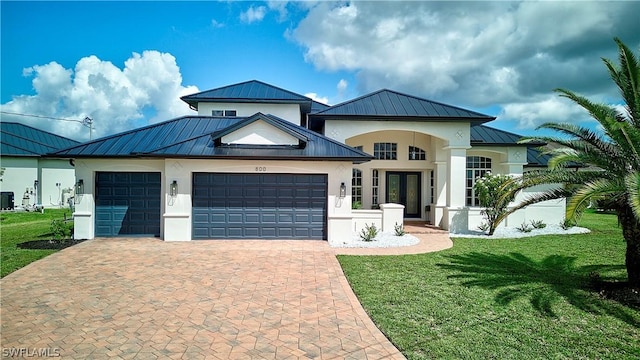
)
(125, 64)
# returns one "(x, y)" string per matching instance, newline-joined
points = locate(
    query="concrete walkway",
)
(145, 298)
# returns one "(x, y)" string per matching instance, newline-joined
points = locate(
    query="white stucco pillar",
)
(440, 192)
(177, 208)
(83, 214)
(456, 217)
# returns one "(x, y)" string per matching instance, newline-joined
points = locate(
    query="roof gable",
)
(23, 140)
(392, 104)
(259, 130)
(253, 91)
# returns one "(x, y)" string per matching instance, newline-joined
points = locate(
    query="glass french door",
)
(404, 188)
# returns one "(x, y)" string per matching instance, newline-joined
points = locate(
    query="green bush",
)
(399, 229)
(369, 232)
(495, 192)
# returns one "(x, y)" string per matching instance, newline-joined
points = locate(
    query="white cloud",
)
(216, 24)
(320, 99)
(253, 14)
(475, 54)
(529, 115)
(116, 99)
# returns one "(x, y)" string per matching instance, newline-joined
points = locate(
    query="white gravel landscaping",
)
(382, 240)
(509, 232)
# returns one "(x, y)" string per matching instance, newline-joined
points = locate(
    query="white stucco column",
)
(456, 217)
(177, 208)
(440, 192)
(83, 214)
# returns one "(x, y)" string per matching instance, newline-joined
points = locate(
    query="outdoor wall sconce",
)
(173, 188)
(343, 191)
(80, 187)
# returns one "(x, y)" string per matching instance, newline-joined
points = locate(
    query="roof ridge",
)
(244, 83)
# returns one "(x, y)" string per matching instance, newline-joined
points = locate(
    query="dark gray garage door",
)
(128, 203)
(259, 206)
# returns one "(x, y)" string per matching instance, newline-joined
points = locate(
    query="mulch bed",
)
(48, 244)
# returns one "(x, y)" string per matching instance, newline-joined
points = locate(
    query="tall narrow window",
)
(356, 185)
(415, 153)
(477, 166)
(432, 187)
(385, 151)
(374, 188)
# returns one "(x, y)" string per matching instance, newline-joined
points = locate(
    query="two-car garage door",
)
(259, 206)
(224, 205)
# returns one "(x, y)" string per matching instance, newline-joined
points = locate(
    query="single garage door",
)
(128, 203)
(259, 206)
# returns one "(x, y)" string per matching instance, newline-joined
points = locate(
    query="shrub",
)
(60, 230)
(356, 205)
(483, 227)
(399, 229)
(538, 224)
(524, 227)
(567, 224)
(495, 192)
(369, 232)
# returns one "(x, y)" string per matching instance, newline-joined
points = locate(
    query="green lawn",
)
(498, 299)
(21, 227)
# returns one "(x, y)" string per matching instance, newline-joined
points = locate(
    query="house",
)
(28, 176)
(261, 162)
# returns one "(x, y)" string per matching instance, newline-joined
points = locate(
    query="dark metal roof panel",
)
(192, 136)
(23, 140)
(388, 103)
(249, 90)
(536, 158)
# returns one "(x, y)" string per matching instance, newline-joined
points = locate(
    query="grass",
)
(16, 228)
(523, 298)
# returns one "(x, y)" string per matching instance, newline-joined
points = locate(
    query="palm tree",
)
(610, 158)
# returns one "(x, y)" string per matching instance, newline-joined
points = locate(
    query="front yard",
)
(17, 228)
(526, 298)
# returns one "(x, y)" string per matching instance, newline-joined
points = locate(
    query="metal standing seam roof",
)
(22, 140)
(250, 91)
(392, 104)
(193, 137)
(488, 136)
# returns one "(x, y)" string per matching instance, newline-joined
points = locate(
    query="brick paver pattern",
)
(145, 298)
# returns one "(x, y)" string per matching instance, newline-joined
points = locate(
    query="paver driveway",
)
(146, 298)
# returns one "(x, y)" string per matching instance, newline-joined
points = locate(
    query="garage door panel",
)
(265, 206)
(128, 203)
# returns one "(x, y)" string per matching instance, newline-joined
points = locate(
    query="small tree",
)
(494, 192)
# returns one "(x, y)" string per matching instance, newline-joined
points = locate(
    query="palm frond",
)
(632, 182)
(627, 78)
(596, 189)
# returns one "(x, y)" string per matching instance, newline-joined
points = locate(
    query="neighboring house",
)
(31, 177)
(261, 162)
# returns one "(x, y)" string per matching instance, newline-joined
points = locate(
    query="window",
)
(224, 113)
(385, 151)
(374, 188)
(432, 186)
(356, 185)
(477, 166)
(415, 153)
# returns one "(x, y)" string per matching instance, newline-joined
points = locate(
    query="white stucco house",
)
(261, 162)
(29, 177)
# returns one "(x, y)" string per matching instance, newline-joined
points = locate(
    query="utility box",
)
(6, 200)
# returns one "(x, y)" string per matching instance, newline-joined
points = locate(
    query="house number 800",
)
(261, 168)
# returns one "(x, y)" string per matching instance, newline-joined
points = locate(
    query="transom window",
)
(356, 185)
(477, 166)
(385, 151)
(415, 153)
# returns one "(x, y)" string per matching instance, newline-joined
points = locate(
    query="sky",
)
(126, 64)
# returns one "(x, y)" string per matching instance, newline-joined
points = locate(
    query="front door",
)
(404, 188)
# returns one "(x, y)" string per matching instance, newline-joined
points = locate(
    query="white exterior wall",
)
(176, 211)
(259, 133)
(53, 175)
(289, 112)
(444, 142)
